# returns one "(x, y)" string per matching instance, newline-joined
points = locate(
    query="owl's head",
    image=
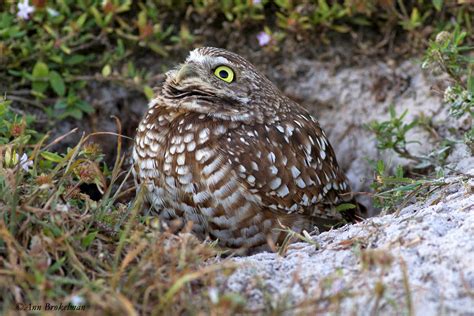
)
(222, 84)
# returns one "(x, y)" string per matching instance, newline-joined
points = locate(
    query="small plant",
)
(392, 134)
(445, 54)
(13, 126)
(393, 192)
(448, 54)
(50, 51)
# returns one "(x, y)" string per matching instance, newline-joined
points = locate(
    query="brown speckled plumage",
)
(235, 158)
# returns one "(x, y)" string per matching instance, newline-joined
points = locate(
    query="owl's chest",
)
(171, 152)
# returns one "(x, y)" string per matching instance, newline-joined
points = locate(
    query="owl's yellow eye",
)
(224, 73)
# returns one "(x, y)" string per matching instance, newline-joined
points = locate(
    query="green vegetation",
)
(60, 245)
(49, 56)
(448, 54)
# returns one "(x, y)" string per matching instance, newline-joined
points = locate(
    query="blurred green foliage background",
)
(51, 50)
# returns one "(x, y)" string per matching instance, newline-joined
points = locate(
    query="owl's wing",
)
(290, 165)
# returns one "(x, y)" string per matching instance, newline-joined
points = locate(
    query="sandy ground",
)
(424, 255)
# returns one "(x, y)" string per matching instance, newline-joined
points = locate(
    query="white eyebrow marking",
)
(197, 57)
(220, 60)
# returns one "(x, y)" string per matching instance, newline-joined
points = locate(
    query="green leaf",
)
(97, 16)
(124, 7)
(57, 83)
(106, 70)
(86, 241)
(57, 265)
(399, 172)
(380, 167)
(39, 87)
(323, 5)
(56, 58)
(345, 207)
(415, 17)
(40, 77)
(391, 109)
(51, 156)
(75, 59)
(85, 107)
(341, 28)
(158, 49)
(75, 113)
(65, 49)
(438, 4)
(470, 80)
(40, 70)
(120, 48)
(81, 20)
(60, 104)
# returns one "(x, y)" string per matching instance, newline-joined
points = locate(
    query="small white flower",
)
(77, 300)
(256, 1)
(213, 295)
(25, 163)
(449, 95)
(52, 12)
(62, 207)
(24, 10)
(263, 38)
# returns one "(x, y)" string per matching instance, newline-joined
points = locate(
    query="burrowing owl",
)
(222, 147)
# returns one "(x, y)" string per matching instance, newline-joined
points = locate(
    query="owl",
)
(220, 146)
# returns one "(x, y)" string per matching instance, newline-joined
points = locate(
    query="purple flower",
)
(256, 1)
(263, 38)
(24, 10)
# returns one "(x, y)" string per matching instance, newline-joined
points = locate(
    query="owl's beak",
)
(186, 71)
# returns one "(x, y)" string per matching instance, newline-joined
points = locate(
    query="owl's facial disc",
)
(207, 79)
(221, 84)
